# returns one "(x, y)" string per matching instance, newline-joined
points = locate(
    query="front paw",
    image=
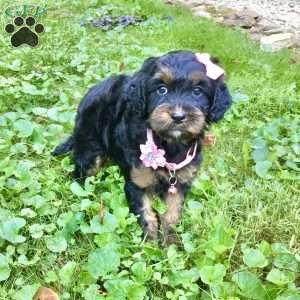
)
(150, 231)
(169, 236)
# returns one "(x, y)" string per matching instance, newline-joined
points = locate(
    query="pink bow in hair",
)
(213, 71)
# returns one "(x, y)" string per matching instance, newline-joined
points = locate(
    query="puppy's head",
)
(176, 97)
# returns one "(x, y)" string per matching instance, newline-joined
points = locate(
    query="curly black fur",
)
(113, 117)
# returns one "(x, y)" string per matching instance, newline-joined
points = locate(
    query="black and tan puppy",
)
(171, 96)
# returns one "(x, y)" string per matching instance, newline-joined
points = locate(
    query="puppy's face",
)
(178, 97)
(175, 97)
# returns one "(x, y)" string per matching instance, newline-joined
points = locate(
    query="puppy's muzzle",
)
(177, 123)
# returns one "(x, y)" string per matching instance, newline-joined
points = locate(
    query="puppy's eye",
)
(197, 91)
(162, 90)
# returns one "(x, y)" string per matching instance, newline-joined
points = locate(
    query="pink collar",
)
(153, 157)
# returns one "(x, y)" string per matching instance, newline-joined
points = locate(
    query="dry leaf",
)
(101, 212)
(209, 139)
(121, 67)
(44, 293)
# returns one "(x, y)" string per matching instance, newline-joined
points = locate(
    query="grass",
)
(240, 228)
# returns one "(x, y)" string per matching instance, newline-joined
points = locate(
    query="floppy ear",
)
(221, 102)
(136, 97)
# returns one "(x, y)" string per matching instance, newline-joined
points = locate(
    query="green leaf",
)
(56, 243)
(31, 89)
(91, 293)
(36, 230)
(279, 248)
(220, 238)
(27, 292)
(260, 154)
(259, 143)
(118, 288)
(4, 268)
(109, 223)
(67, 272)
(78, 190)
(24, 128)
(279, 277)
(262, 168)
(28, 212)
(250, 286)
(213, 275)
(141, 271)
(188, 242)
(158, 205)
(136, 292)
(103, 261)
(184, 277)
(9, 230)
(51, 277)
(286, 261)
(253, 258)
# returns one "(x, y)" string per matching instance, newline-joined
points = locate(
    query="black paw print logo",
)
(26, 34)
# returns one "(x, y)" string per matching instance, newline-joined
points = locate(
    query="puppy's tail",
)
(64, 147)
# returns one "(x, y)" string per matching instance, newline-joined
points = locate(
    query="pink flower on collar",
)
(152, 156)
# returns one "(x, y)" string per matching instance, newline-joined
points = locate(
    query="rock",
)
(201, 13)
(194, 3)
(265, 25)
(219, 20)
(249, 13)
(247, 22)
(276, 42)
(296, 41)
(239, 21)
(272, 31)
(244, 19)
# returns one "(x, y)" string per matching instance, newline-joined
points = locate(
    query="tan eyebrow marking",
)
(196, 77)
(165, 74)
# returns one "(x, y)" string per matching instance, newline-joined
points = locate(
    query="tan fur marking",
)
(196, 77)
(143, 177)
(165, 74)
(187, 174)
(150, 218)
(184, 175)
(161, 118)
(196, 123)
(97, 165)
(171, 216)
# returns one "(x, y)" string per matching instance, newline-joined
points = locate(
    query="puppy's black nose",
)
(178, 116)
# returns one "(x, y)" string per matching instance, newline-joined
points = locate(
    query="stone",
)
(244, 19)
(272, 31)
(276, 42)
(265, 25)
(296, 41)
(201, 13)
(239, 21)
(219, 20)
(249, 13)
(193, 3)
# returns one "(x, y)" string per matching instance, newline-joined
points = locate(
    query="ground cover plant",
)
(240, 227)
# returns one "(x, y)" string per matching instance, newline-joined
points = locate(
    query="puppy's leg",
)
(140, 204)
(88, 154)
(87, 163)
(171, 217)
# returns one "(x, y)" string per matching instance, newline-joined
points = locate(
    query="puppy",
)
(151, 124)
